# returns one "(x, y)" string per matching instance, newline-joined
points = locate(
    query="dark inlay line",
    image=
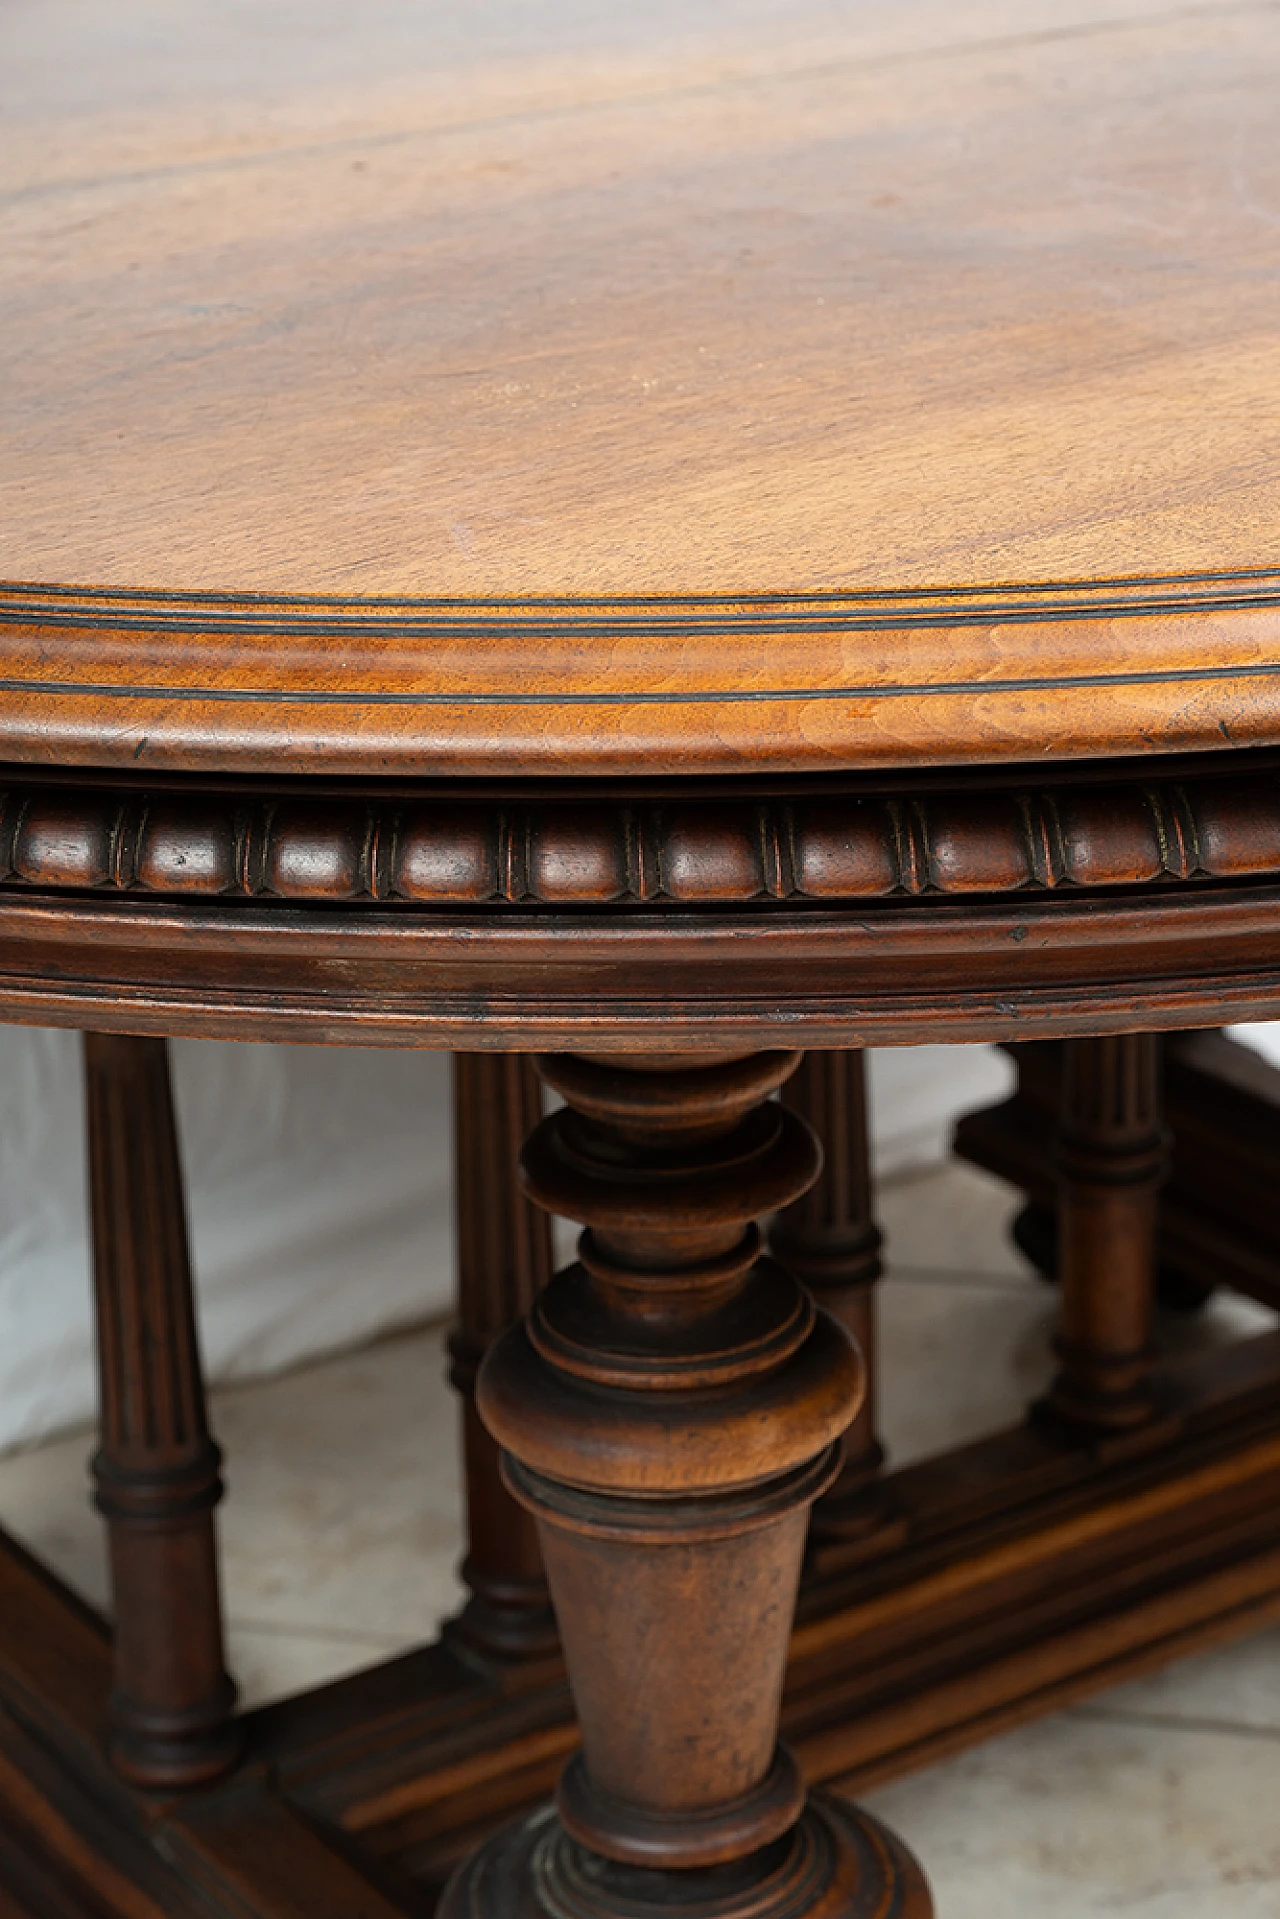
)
(325, 696)
(833, 596)
(529, 621)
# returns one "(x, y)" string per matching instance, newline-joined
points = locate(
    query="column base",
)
(505, 1619)
(156, 1752)
(835, 1863)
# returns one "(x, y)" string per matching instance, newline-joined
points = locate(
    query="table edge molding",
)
(224, 683)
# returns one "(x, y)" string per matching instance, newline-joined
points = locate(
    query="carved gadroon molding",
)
(436, 852)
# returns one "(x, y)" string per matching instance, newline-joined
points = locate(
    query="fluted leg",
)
(156, 1472)
(504, 1261)
(669, 1411)
(1110, 1159)
(829, 1239)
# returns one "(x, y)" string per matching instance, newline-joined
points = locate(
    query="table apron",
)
(882, 974)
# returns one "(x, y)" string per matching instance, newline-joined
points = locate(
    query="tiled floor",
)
(1158, 1801)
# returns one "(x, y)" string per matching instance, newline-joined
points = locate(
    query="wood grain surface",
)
(687, 319)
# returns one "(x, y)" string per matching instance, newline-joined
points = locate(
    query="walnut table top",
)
(573, 388)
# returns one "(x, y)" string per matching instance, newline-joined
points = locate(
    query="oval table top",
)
(559, 387)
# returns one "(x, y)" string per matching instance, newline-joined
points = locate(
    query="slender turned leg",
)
(1110, 1161)
(156, 1472)
(830, 1241)
(669, 1410)
(504, 1261)
(1014, 1140)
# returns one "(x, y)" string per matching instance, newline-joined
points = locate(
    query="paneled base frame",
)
(1013, 1576)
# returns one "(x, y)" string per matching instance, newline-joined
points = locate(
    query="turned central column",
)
(669, 1411)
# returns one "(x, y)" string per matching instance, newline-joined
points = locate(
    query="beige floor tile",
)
(270, 1662)
(1075, 1817)
(951, 1219)
(44, 1499)
(344, 1498)
(958, 1359)
(1235, 1685)
(342, 1525)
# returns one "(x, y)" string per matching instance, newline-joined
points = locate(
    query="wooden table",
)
(659, 541)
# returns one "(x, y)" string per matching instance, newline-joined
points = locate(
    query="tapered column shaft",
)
(1110, 1160)
(157, 1469)
(669, 1410)
(504, 1261)
(829, 1239)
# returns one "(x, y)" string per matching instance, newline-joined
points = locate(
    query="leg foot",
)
(834, 1863)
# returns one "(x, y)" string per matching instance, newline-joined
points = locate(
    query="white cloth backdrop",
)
(319, 1192)
(318, 1185)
